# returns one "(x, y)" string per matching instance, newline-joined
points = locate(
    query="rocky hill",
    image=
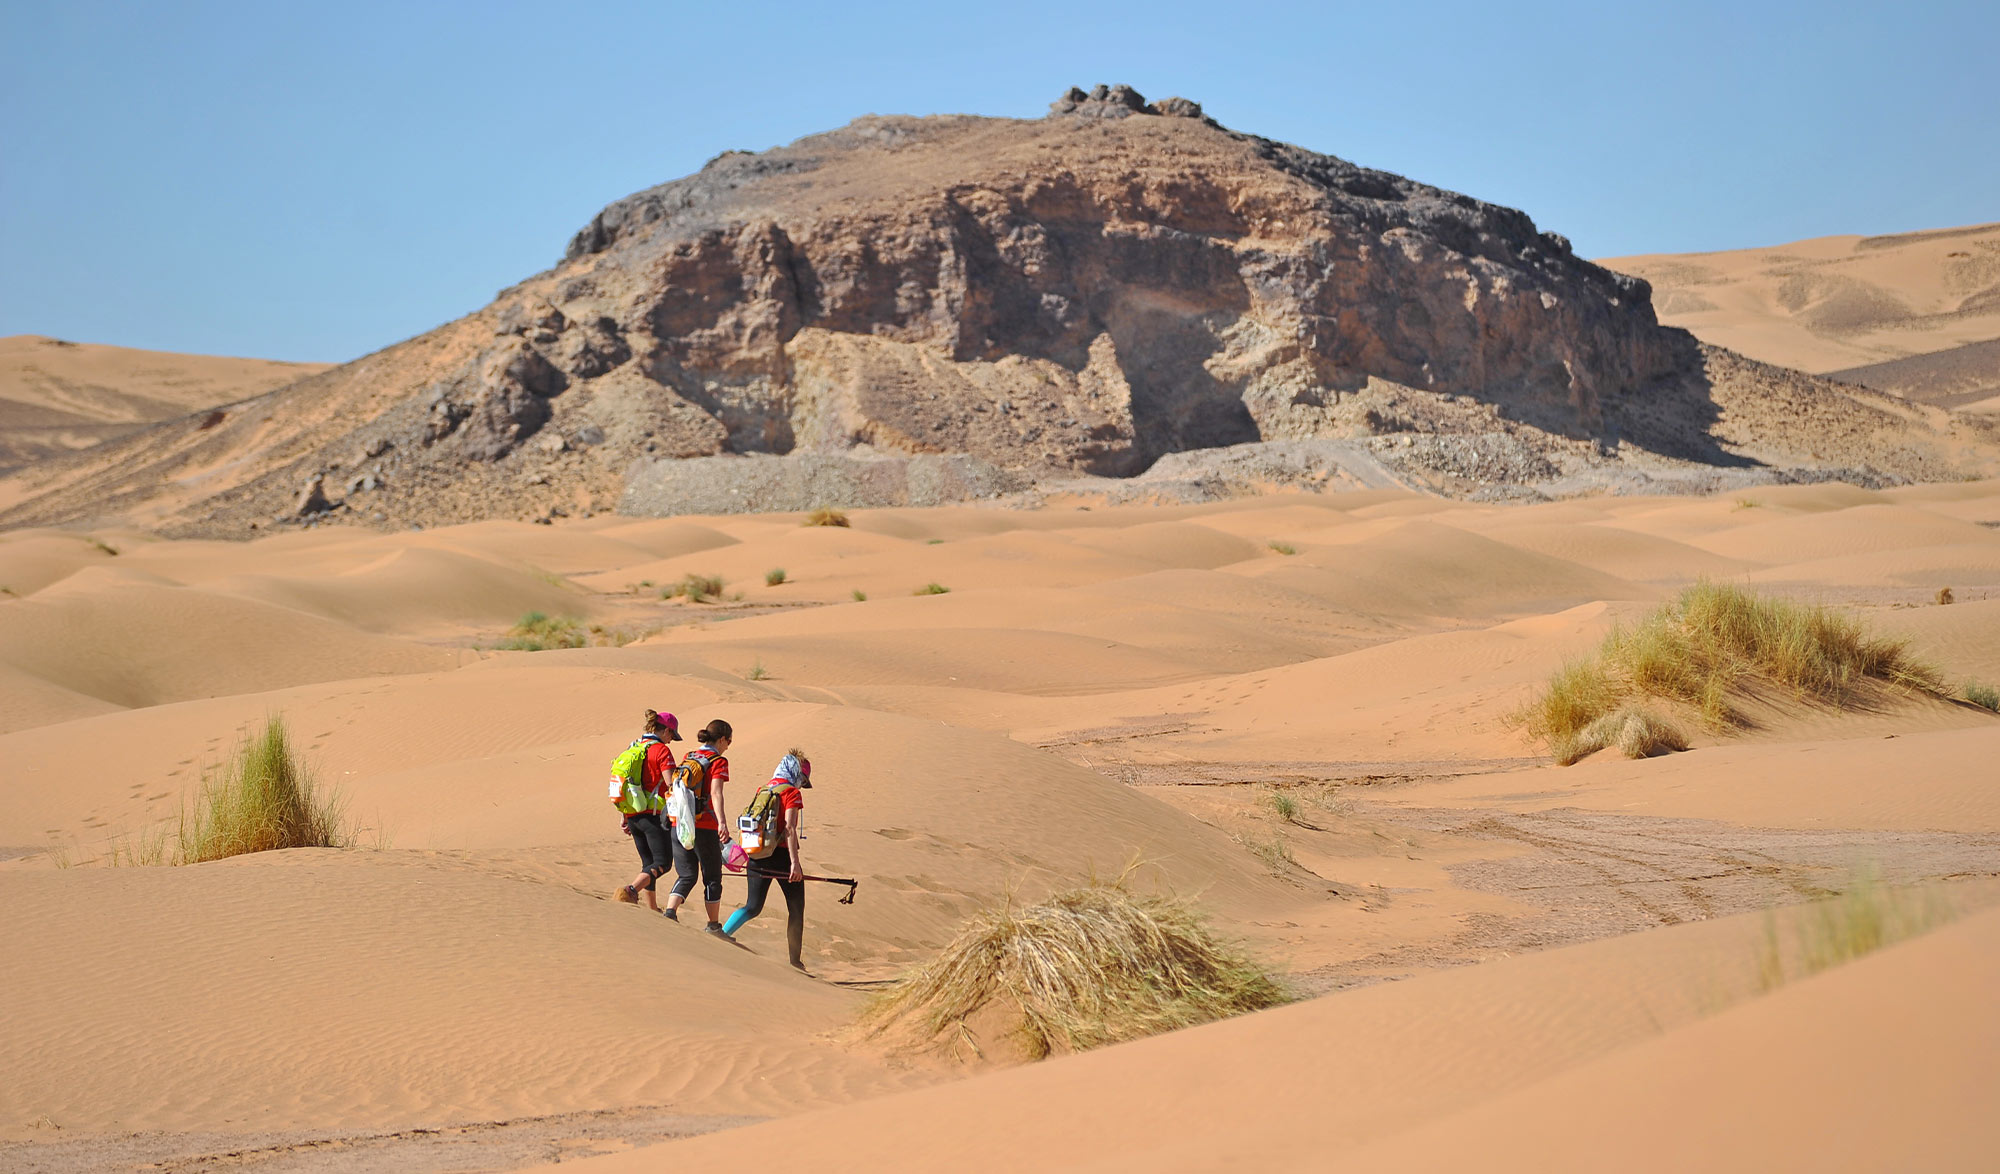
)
(1067, 297)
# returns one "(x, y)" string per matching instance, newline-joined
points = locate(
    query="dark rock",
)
(1176, 108)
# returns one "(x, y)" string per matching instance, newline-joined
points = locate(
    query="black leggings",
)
(650, 837)
(779, 862)
(707, 852)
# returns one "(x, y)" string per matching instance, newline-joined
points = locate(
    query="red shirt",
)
(659, 766)
(717, 772)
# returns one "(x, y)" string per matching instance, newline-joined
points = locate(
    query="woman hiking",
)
(775, 812)
(703, 771)
(642, 806)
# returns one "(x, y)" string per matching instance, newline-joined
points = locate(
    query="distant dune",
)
(1842, 304)
(57, 396)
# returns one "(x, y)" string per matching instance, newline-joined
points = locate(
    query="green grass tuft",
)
(932, 589)
(535, 632)
(1984, 696)
(264, 799)
(1088, 967)
(1700, 649)
(758, 672)
(1286, 807)
(774, 576)
(1284, 548)
(860, 596)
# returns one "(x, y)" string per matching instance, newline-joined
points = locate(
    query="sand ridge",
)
(1097, 687)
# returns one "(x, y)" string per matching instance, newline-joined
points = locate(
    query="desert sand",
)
(58, 396)
(1916, 313)
(1501, 960)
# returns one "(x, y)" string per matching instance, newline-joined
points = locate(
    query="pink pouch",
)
(733, 857)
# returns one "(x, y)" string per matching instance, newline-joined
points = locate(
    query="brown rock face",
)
(1092, 290)
(1087, 292)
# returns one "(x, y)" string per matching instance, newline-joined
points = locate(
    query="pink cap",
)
(673, 725)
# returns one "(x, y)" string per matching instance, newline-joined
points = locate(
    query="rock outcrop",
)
(1079, 294)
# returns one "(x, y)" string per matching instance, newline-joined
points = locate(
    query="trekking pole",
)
(852, 884)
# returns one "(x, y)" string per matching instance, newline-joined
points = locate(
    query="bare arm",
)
(792, 846)
(715, 800)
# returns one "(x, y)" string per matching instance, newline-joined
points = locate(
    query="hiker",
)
(639, 792)
(770, 834)
(702, 773)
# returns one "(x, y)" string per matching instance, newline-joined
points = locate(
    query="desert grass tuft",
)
(1636, 731)
(1702, 647)
(694, 588)
(758, 672)
(932, 589)
(262, 800)
(826, 516)
(1284, 806)
(1284, 547)
(1087, 967)
(1866, 917)
(1984, 696)
(774, 576)
(860, 596)
(535, 632)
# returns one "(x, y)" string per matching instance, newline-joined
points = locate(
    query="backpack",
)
(628, 779)
(686, 798)
(757, 827)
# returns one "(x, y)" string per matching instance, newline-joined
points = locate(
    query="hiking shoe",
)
(715, 927)
(671, 914)
(628, 895)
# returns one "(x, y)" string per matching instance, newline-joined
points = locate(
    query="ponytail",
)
(714, 731)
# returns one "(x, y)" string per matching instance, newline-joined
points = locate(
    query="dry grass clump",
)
(1638, 732)
(1088, 967)
(1984, 696)
(1865, 918)
(1943, 596)
(264, 799)
(825, 516)
(1709, 642)
(536, 632)
(694, 588)
(932, 589)
(774, 576)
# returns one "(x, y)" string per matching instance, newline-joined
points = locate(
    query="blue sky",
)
(317, 181)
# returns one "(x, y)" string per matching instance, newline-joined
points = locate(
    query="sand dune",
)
(57, 395)
(1834, 302)
(1307, 1084)
(1098, 686)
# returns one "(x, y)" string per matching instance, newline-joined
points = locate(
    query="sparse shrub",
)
(1866, 917)
(1745, 503)
(695, 588)
(536, 632)
(1088, 967)
(1274, 852)
(1286, 807)
(1984, 696)
(1636, 731)
(611, 637)
(1284, 548)
(757, 671)
(826, 516)
(1944, 596)
(774, 576)
(860, 596)
(1706, 643)
(264, 799)
(932, 589)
